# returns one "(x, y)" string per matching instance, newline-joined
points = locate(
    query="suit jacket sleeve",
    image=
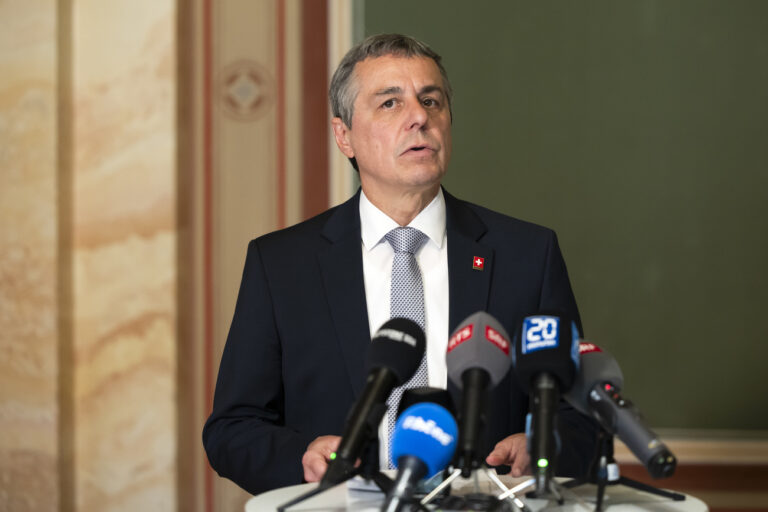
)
(245, 437)
(577, 431)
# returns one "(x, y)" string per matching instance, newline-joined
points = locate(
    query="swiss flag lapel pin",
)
(478, 263)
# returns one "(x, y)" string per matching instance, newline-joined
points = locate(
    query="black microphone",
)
(545, 360)
(394, 355)
(596, 392)
(477, 358)
(421, 394)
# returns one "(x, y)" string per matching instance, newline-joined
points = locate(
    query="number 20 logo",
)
(542, 328)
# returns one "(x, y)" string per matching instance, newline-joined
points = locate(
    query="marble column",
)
(28, 256)
(124, 254)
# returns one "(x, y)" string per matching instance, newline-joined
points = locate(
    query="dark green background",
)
(638, 130)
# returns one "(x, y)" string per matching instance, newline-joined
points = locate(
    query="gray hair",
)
(343, 90)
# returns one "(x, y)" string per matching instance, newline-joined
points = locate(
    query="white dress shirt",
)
(432, 258)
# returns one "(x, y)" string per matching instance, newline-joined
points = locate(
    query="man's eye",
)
(429, 102)
(388, 104)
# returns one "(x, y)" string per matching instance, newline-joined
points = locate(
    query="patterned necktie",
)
(406, 300)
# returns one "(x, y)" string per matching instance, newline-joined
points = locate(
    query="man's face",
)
(401, 125)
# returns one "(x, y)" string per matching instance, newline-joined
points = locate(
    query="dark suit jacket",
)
(293, 363)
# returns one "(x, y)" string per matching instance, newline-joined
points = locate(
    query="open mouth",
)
(418, 149)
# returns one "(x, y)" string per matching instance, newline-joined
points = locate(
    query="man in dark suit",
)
(312, 294)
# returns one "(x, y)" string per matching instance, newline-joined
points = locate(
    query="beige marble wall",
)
(28, 240)
(124, 258)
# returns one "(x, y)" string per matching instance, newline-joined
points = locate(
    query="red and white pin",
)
(478, 263)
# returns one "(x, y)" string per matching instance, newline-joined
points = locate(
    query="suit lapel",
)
(468, 287)
(341, 266)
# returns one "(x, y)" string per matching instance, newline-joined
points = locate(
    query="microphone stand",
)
(507, 493)
(550, 487)
(604, 471)
(542, 436)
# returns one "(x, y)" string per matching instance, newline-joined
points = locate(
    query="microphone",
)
(545, 360)
(477, 358)
(394, 355)
(413, 396)
(423, 444)
(596, 393)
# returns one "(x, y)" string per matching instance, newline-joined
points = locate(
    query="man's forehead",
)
(388, 71)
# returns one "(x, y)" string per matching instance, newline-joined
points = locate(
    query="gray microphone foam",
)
(480, 341)
(596, 367)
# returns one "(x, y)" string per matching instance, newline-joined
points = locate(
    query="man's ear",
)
(341, 133)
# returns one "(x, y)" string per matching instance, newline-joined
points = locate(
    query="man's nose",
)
(417, 114)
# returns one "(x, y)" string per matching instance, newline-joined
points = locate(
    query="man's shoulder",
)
(318, 230)
(494, 222)
(308, 228)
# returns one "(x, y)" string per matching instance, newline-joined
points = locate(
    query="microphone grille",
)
(480, 341)
(398, 345)
(428, 432)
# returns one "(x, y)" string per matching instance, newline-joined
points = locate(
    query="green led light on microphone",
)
(542, 463)
(333, 456)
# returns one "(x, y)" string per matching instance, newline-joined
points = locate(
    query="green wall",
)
(638, 130)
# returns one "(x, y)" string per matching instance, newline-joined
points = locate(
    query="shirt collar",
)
(374, 223)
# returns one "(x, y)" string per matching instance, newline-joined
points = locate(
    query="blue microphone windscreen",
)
(426, 431)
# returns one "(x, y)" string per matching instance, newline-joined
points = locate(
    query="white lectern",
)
(582, 499)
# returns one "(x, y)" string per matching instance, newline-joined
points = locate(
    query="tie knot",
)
(406, 239)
